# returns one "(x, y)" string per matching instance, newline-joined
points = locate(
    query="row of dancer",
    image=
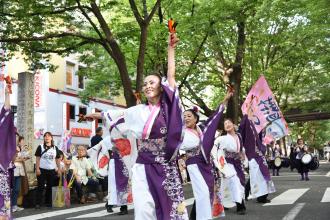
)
(159, 130)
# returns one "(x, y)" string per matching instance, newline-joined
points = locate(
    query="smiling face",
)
(229, 125)
(151, 87)
(189, 119)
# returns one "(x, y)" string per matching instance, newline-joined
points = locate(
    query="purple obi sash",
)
(163, 179)
(194, 156)
(151, 151)
(233, 158)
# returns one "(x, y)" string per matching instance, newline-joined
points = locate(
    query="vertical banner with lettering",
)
(263, 110)
(41, 89)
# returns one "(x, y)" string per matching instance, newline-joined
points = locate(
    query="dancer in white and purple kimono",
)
(198, 142)
(260, 180)
(114, 157)
(8, 152)
(230, 156)
(157, 126)
(122, 158)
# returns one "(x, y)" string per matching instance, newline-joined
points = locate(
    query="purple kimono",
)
(8, 150)
(158, 130)
(202, 154)
(234, 159)
(254, 148)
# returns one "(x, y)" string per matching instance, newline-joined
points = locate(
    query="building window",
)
(81, 82)
(82, 110)
(69, 74)
(72, 112)
(99, 121)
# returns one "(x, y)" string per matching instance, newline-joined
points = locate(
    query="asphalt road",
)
(293, 199)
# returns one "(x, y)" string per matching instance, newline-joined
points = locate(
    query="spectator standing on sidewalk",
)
(47, 169)
(19, 173)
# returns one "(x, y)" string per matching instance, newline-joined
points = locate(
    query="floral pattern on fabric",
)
(125, 191)
(232, 155)
(5, 209)
(151, 145)
(172, 184)
(154, 146)
(193, 152)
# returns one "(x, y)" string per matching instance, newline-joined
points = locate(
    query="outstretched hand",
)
(7, 89)
(85, 118)
(229, 94)
(172, 40)
(9, 85)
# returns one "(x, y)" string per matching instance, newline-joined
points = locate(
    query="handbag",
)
(25, 183)
(60, 195)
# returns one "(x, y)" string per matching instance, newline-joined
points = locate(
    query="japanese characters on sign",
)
(261, 107)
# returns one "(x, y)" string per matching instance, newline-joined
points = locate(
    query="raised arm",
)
(7, 98)
(227, 97)
(93, 116)
(172, 41)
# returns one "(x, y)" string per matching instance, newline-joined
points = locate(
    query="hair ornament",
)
(195, 109)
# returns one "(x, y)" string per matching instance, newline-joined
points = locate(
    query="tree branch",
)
(195, 58)
(61, 51)
(136, 12)
(48, 37)
(208, 112)
(153, 11)
(102, 22)
(189, 99)
(60, 11)
(145, 9)
(89, 19)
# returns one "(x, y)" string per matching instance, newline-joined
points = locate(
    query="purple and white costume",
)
(260, 180)
(8, 150)
(200, 166)
(123, 158)
(230, 165)
(156, 185)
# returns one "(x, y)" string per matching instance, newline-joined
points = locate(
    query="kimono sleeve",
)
(244, 127)
(127, 121)
(168, 91)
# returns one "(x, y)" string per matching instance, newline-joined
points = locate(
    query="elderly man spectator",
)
(82, 172)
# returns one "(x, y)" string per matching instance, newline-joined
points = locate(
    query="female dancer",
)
(230, 157)
(260, 180)
(8, 151)
(157, 126)
(198, 142)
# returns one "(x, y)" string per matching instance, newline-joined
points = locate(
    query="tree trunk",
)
(234, 107)
(235, 78)
(140, 59)
(120, 61)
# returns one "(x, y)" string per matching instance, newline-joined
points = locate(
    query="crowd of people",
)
(143, 162)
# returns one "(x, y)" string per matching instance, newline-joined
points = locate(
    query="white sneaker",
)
(14, 208)
(19, 209)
